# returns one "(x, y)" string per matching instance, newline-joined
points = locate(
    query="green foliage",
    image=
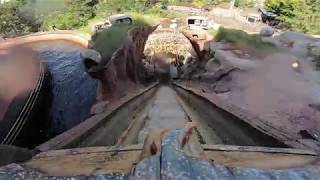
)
(298, 15)
(244, 3)
(42, 7)
(108, 7)
(158, 12)
(75, 15)
(13, 21)
(197, 3)
(242, 39)
(108, 41)
(285, 8)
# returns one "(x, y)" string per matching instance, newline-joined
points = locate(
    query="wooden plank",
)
(72, 136)
(86, 161)
(63, 152)
(246, 116)
(209, 147)
(260, 160)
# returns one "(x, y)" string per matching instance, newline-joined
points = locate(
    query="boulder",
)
(267, 31)
(91, 54)
(91, 59)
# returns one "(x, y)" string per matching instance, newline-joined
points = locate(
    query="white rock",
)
(267, 31)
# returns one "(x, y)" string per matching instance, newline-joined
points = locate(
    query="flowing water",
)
(72, 90)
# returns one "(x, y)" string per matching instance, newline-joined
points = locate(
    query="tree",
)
(298, 15)
(75, 14)
(14, 21)
(284, 7)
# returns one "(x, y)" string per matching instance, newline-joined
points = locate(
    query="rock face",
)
(267, 31)
(227, 58)
(199, 41)
(220, 87)
(125, 66)
(301, 45)
(212, 65)
(274, 40)
(292, 37)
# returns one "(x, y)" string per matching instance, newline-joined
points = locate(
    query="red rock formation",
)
(124, 69)
(198, 39)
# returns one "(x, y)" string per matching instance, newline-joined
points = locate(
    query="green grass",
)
(242, 39)
(88, 28)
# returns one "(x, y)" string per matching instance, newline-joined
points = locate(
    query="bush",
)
(109, 7)
(13, 21)
(244, 3)
(108, 41)
(298, 15)
(242, 39)
(75, 15)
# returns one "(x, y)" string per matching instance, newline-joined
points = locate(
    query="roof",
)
(198, 17)
(267, 13)
(118, 16)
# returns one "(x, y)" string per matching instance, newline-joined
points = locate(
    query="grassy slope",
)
(241, 38)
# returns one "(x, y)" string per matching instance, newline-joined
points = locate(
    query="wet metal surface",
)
(165, 112)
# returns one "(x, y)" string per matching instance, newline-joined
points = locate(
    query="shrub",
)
(242, 39)
(75, 15)
(13, 21)
(298, 15)
(244, 3)
(108, 41)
